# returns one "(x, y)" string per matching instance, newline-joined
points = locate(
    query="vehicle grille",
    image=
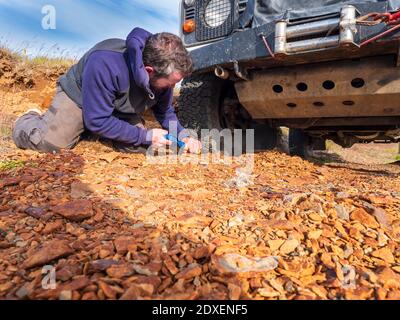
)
(215, 18)
(190, 13)
(242, 4)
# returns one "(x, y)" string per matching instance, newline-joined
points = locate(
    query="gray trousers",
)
(60, 127)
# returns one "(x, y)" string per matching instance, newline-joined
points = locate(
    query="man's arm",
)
(98, 90)
(165, 114)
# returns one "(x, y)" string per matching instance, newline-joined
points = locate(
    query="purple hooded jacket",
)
(102, 76)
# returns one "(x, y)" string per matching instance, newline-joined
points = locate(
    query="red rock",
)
(52, 226)
(122, 243)
(393, 295)
(365, 218)
(150, 269)
(200, 252)
(68, 272)
(132, 293)
(289, 246)
(120, 271)
(385, 254)
(155, 281)
(50, 251)
(65, 295)
(77, 210)
(14, 181)
(35, 212)
(80, 190)
(89, 296)
(170, 265)
(99, 216)
(381, 293)
(76, 284)
(281, 224)
(7, 213)
(382, 217)
(145, 289)
(234, 291)
(101, 265)
(193, 270)
(108, 291)
(389, 279)
(361, 293)
(186, 296)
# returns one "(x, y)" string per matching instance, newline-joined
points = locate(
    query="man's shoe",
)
(36, 110)
(40, 112)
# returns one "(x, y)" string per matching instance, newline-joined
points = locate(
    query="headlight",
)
(217, 11)
(189, 3)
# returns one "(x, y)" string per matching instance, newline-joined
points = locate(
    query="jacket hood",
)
(135, 43)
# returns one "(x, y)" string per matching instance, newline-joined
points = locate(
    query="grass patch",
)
(397, 158)
(51, 63)
(20, 56)
(5, 131)
(10, 165)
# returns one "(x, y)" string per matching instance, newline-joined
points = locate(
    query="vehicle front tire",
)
(302, 144)
(208, 102)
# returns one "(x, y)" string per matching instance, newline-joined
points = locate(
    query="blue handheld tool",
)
(173, 139)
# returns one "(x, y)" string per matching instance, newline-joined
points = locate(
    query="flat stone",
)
(236, 263)
(315, 234)
(275, 244)
(52, 226)
(77, 210)
(289, 246)
(151, 269)
(122, 243)
(22, 292)
(193, 270)
(385, 254)
(342, 212)
(65, 295)
(365, 218)
(35, 212)
(68, 272)
(101, 265)
(109, 292)
(200, 252)
(50, 251)
(120, 271)
(132, 293)
(80, 190)
(268, 293)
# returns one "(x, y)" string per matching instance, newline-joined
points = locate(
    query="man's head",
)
(166, 60)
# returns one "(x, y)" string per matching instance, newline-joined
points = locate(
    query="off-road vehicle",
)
(326, 69)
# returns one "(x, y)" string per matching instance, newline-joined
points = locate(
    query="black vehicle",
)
(327, 69)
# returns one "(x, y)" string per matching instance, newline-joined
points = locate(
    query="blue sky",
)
(80, 23)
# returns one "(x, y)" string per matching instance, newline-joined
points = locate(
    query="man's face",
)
(165, 82)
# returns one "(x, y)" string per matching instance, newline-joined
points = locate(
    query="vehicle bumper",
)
(249, 49)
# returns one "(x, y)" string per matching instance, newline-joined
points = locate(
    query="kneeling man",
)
(107, 91)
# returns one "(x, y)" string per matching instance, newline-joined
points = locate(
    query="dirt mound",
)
(5, 62)
(19, 71)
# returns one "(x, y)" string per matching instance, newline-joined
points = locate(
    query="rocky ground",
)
(118, 226)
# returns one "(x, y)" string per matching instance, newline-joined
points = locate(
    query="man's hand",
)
(158, 138)
(192, 145)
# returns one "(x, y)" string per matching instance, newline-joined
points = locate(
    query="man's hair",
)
(166, 53)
